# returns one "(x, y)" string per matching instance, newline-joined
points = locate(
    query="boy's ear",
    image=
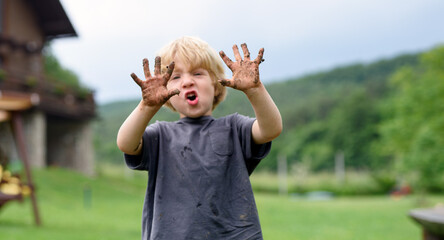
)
(217, 88)
(219, 94)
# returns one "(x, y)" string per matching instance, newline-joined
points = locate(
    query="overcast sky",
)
(299, 37)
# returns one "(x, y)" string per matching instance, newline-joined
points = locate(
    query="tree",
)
(62, 77)
(413, 132)
(352, 129)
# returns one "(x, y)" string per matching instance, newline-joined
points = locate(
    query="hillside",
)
(310, 106)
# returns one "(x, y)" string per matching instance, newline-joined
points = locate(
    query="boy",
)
(199, 167)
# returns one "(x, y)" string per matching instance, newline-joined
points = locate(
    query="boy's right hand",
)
(154, 91)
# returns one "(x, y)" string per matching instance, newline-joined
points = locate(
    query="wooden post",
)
(17, 125)
(282, 174)
(340, 167)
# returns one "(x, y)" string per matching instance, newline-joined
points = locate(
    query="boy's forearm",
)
(129, 137)
(268, 124)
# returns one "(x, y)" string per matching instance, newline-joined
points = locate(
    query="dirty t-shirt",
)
(198, 184)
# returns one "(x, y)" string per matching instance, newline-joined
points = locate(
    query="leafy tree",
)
(413, 132)
(352, 129)
(62, 77)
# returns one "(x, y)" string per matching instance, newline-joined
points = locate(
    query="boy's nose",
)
(187, 82)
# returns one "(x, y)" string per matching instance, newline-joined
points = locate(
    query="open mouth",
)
(192, 98)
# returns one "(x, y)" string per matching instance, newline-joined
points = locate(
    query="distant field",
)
(114, 212)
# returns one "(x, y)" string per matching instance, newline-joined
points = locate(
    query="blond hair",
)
(196, 53)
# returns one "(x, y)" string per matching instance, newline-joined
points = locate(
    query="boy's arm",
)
(268, 124)
(155, 94)
(129, 137)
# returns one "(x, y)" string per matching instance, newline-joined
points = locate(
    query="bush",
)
(355, 183)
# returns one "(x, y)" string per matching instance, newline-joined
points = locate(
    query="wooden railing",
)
(53, 97)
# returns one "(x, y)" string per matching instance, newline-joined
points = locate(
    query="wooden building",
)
(57, 123)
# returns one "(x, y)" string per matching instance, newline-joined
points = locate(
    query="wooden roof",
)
(53, 19)
(17, 95)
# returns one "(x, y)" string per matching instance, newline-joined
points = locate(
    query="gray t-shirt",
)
(198, 184)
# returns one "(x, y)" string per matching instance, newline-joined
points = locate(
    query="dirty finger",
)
(237, 56)
(260, 56)
(246, 52)
(226, 59)
(136, 79)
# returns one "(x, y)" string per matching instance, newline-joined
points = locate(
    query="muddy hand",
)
(154, 91)
(245, 71)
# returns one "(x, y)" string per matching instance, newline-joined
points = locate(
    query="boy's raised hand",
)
(154, 91)
(245, 72)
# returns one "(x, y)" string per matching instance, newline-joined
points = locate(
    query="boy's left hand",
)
(245, 72)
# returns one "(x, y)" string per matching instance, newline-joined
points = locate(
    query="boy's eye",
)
(197, 73)
(175, 77)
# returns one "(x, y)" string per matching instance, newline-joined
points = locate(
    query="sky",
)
(299, 36)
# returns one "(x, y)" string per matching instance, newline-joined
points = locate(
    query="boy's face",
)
(196, 91)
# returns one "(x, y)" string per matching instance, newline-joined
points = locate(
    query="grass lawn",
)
(343, 218)
(113, 211)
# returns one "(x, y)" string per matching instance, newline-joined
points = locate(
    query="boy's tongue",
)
(192, 98)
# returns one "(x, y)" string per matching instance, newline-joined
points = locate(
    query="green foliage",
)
(352, 128)
(61, 77)
(385, 179)
(31, 81)
(302, 181)
(2, 74)
(337, 110)
(413, 130)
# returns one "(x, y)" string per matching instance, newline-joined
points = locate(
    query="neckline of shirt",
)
(196, 120)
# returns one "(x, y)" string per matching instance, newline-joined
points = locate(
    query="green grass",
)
(115, 211)
(343, 218)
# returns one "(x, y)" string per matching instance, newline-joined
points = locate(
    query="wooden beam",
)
(14, 104)
(4, 116)
(17, 126)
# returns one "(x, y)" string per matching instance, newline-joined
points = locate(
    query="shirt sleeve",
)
(253, 153)
(149, 152)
